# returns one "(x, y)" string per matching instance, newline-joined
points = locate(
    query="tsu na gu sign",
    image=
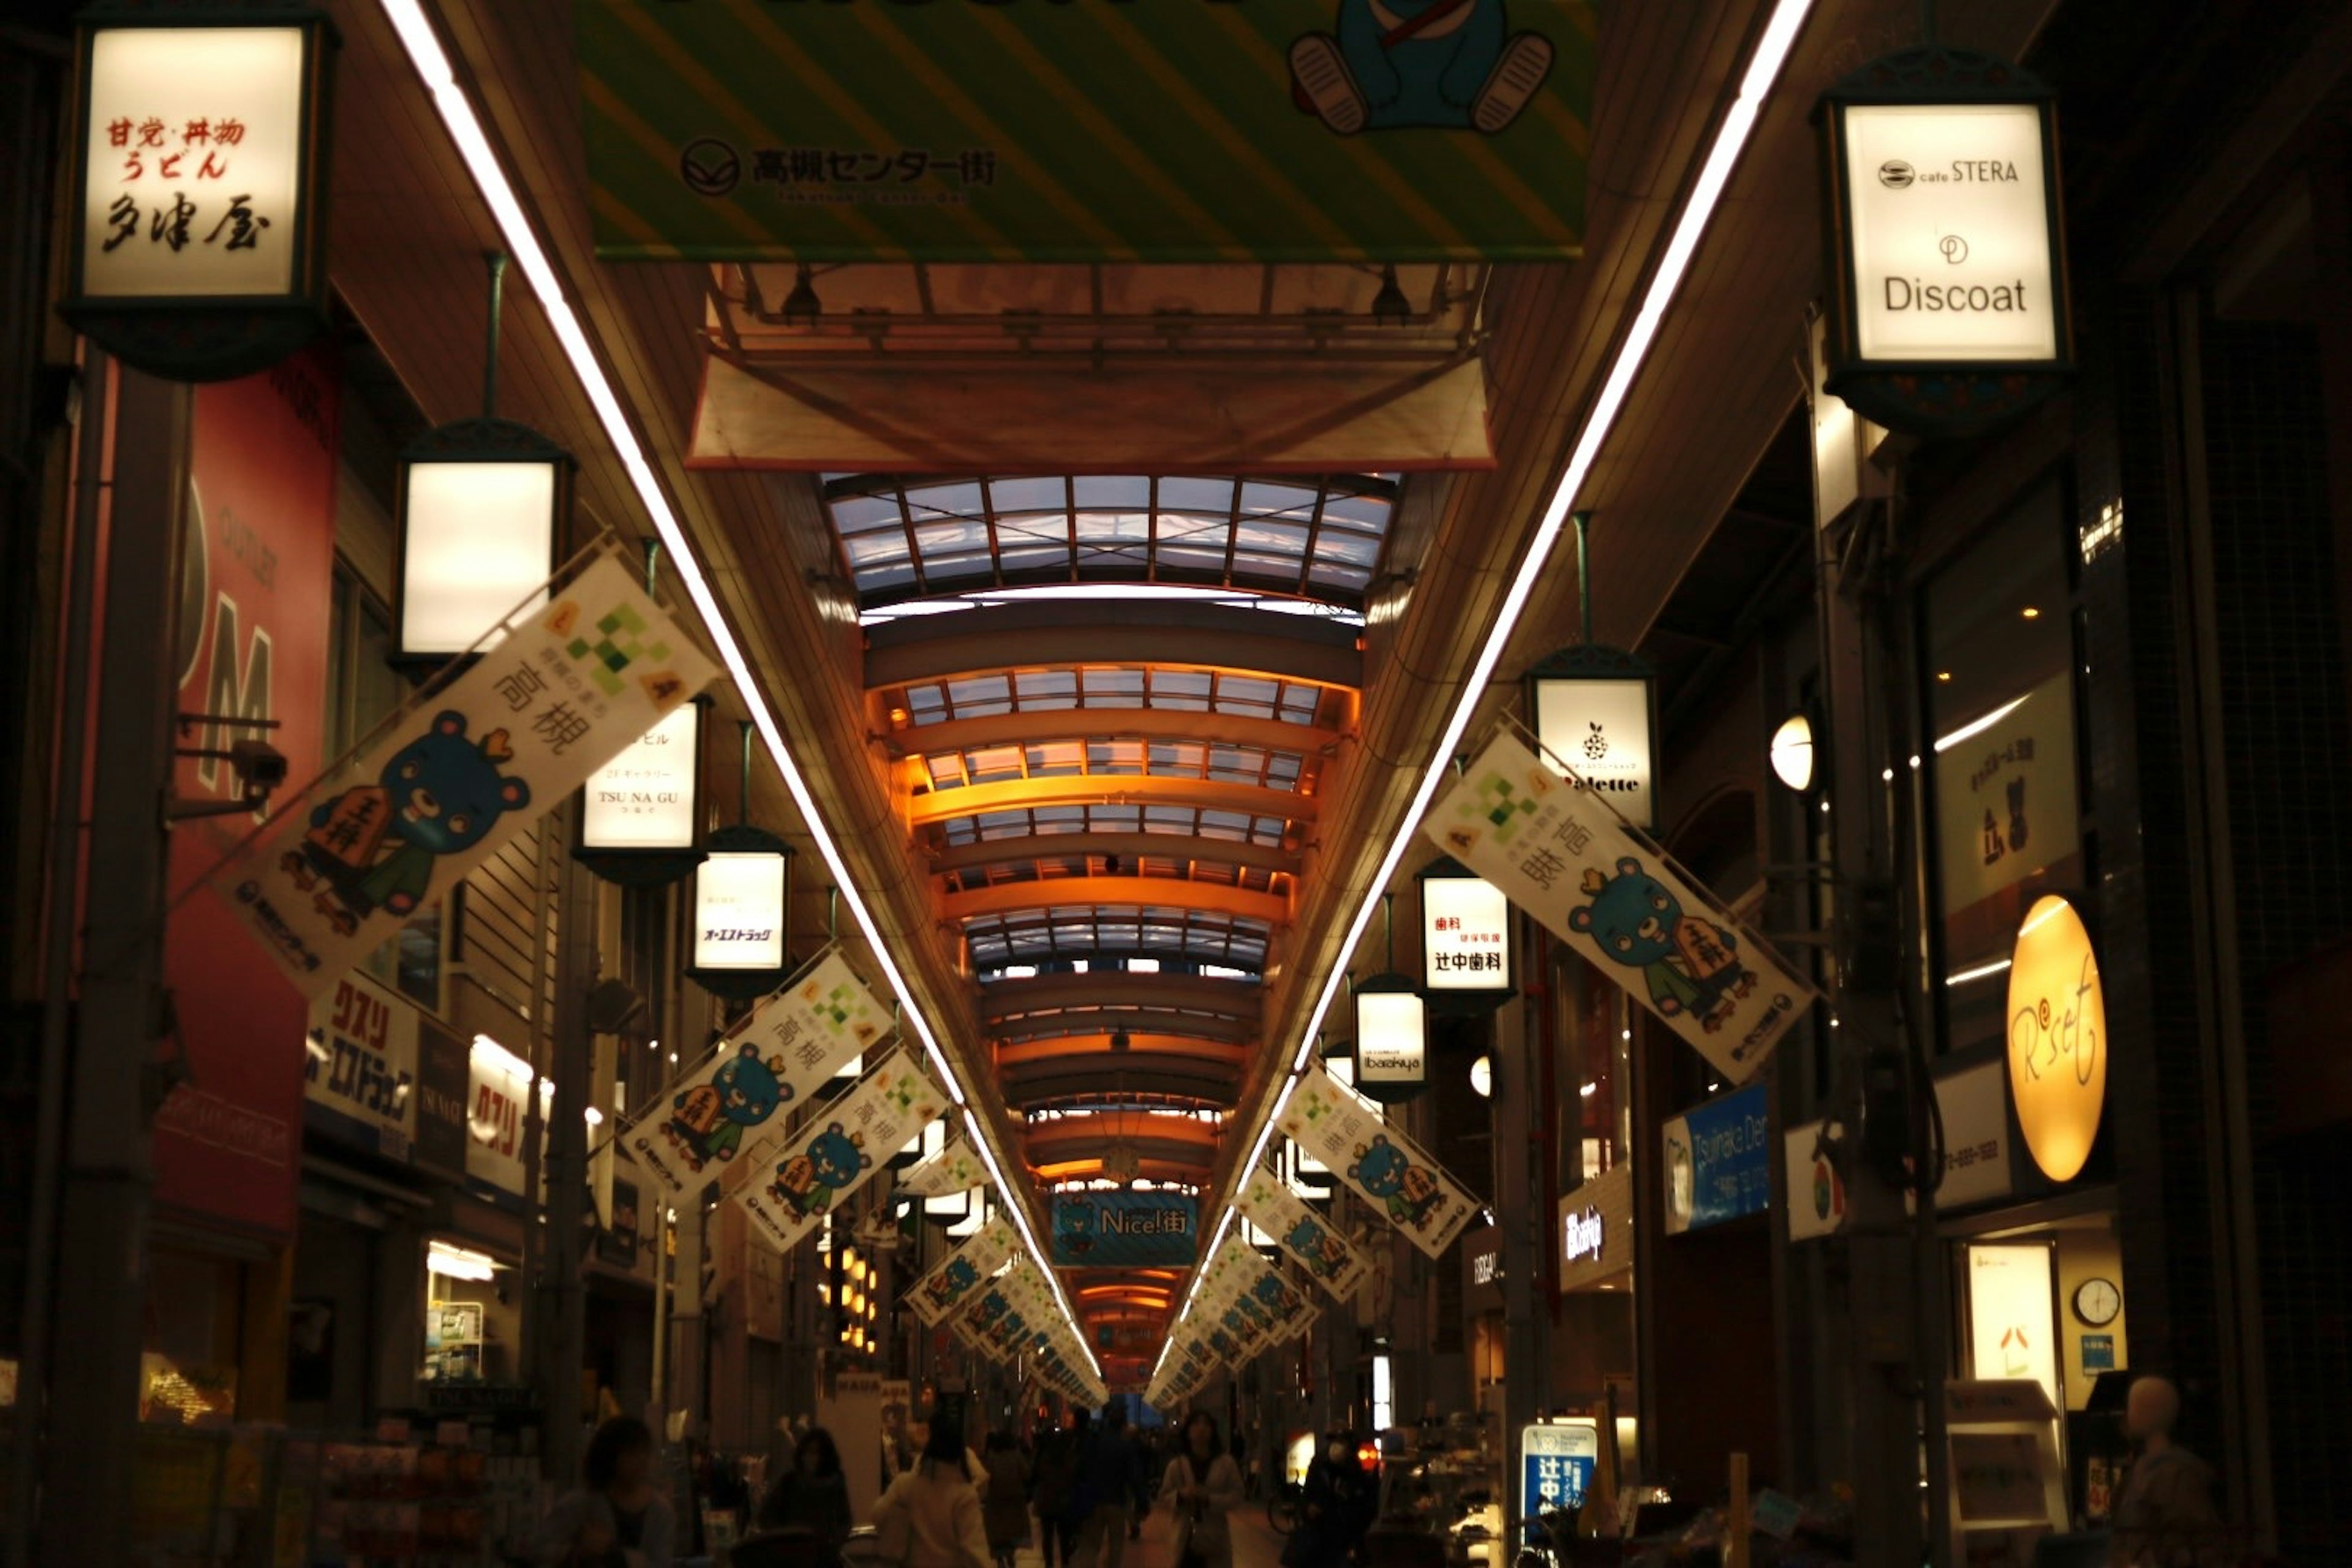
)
(1947, 305)
(199, 186)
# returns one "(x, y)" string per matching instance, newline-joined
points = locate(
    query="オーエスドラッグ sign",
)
(1274, 130)
(542, 709)
(1574, 865)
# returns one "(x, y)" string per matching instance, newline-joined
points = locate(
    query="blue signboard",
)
(1719, 1161)
(1556, 1464)
(1126, 1229)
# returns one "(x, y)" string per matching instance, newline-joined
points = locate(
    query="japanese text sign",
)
(332, 877)
(359, 1077)
(938, 1294)
(1097, 1230)
(838, 1152)
(644, 798)
(1465, 925)
(1557, 1461)
(1312, 130)
(195, 157)
(1567, 859)
(791, 1044)
(1331, 1260)
(1387, 1168)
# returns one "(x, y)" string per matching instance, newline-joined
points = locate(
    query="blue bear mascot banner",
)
(1330, 1258)
(336, 873)
(767, 1064)
(1395, 1174)
(791, 1192)
(1564, 856)
(937, 1295)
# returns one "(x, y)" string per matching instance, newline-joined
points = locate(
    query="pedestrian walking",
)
(2166, 1518)
(931, 1517)
(617, 1519)
(1106, 1487)
(1005, 1506)
(1201, 1487)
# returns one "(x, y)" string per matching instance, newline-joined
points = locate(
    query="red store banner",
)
(256, 584)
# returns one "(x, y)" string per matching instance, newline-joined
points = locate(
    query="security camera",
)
(260, 767)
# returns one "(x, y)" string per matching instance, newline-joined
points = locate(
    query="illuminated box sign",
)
(738, 912)
(1465, 934)
(1947, 304)
(644, 798)
(1592, 1230)
(1094, 1230)
(1718, 1160)
(2057, 1039)
(1600, 727)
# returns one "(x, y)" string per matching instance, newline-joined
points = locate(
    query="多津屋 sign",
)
(938, 1293)
(1948, 223)
(791, 1044)
(1393, 1172)
(341, 870)
(359, 1076)
(1311, 130)
(1718, 1160)
(1330, 1259)
(644, 798)
(1577, 868)
(1465, 923)
(1092, 1230)
(839, 1151)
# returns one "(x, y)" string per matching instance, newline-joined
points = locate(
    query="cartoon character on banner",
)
(1692, 964)
(1276, 1297)
(1324, 1252)
(1443, 65)
(374, 845)
(1074, 1228)
(707, 1122)
(951, 1281)
(810, 1179)
(1410, 1191)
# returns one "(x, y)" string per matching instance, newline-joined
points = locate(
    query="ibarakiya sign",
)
(839, 1151)
(1202, 131)
(1573, 864)
(791, 1044)
(336, 873)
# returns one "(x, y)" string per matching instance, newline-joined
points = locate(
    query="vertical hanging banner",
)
(339, 873)
(1313, 129)
(792, 1042)
(954, 1169)
(1431, 1207)
(1568, 860)
(1331, 1261)
(939, 1293)
(840, 1149)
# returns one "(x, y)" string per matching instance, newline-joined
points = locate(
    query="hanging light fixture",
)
(742, 904)
(1792, 752)
(1391, 1048)
(1389, 306)
(483, 507)
(197, 250)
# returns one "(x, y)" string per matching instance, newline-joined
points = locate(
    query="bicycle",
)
(1547, 1540)
(1282, 1508)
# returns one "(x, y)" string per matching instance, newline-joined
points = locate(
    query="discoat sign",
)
(1950, 232)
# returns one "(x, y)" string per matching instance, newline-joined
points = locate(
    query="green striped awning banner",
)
(1192, 130)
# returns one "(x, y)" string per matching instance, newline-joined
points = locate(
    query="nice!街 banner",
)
(1386, 1167)
(1572, 862)
(792, 1042)
(1331, 1260)
(1270, 131)
(840, 1149)
(937, 1295)
(568, 687)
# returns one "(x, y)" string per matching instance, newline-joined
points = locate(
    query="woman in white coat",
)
(1202, 1484)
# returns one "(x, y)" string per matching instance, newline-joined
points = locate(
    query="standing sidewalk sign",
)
(1570, 861)
(839, 1151)
(1388, 1169)
(792, 1044)
(1557, 1462)
(339, 871)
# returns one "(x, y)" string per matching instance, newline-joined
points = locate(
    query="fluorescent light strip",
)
(1772, 48)
(1984, 972)
(465, 127)
(1976, 727)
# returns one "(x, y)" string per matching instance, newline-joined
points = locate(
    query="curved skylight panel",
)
(907, 538)
(1110, 687)
(1062, 867)
(1173, 821)
(1024, 936)
(1250, 765)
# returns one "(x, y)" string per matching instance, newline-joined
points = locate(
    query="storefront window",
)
(2007, 817)
(1597, 1107)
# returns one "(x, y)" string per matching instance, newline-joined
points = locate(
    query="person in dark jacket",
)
(1338, 1507)
(812, 1496)
(1107, 1481)
(1054, 1479)
(1004, 1498)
